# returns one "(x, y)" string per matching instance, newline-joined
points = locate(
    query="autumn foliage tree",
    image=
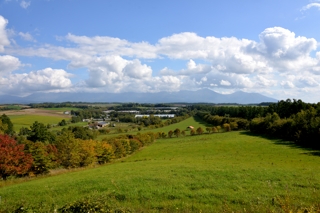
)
(104, 152)
(13, 160)
(44, 156)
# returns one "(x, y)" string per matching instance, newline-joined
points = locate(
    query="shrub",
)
(192, 132)
(87, 152)
(234, 125)
(135, 145)
(199, 130)
(214, 129)
(177, 132)
(95, 203)
(227, 127)
(104, 152)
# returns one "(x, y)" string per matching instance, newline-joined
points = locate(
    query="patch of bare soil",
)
(36, 112)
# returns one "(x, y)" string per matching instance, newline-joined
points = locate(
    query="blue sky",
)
(270, 47)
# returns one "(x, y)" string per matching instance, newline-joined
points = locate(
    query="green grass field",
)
(71, 124)
(232, 171)
(62, 109)
(11, 107)
(27, 120)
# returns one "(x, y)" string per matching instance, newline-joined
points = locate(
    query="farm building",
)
(98, 125)
(157, 115)
(130, 111)
(102, 124)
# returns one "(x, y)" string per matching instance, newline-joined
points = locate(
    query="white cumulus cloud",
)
(311, 5)
(135, 69)
(278, 59)
(41, 80)
(4, 41)
(225, 83)
(26, 36)
(8, 64)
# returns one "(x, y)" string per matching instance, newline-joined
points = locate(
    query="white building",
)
(157, 115)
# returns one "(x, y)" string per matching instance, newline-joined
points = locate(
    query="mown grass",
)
(58, 128)
(20, 121)
(217, 172)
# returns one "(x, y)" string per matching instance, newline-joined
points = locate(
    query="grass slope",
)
(192, 121)
(208, 173)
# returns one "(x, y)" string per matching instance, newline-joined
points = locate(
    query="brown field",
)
(36, 112)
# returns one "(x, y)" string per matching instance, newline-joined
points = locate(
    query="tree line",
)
(291, 120)
(40, 150)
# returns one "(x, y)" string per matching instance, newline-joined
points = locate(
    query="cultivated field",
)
(57, 112)
(26, 117)
(221, 172)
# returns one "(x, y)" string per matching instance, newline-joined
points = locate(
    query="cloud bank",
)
(278, 64)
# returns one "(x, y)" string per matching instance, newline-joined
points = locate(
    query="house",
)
(102, 124)
(190, 127)
(98, 125)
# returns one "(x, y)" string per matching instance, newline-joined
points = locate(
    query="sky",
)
(269, 47)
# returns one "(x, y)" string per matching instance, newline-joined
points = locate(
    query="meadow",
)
(27, 120)
(62, 109)
(220, 172)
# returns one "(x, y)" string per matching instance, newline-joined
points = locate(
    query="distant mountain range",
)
(183, 96)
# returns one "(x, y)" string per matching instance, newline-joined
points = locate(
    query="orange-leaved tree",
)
(13, 160)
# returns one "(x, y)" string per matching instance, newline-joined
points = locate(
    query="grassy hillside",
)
(192, 121)
(208, 173)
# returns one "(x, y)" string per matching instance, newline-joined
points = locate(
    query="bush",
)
(104, 152)
(135, 145)
(95, 203)
(227, 127)
(214, 129)
(192, 132)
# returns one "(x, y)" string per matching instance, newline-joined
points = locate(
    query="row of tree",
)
(289, 120)
(303, 127)
(67, 151)
(284, 108)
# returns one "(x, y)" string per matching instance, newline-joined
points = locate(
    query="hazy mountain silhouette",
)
(203, 95)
